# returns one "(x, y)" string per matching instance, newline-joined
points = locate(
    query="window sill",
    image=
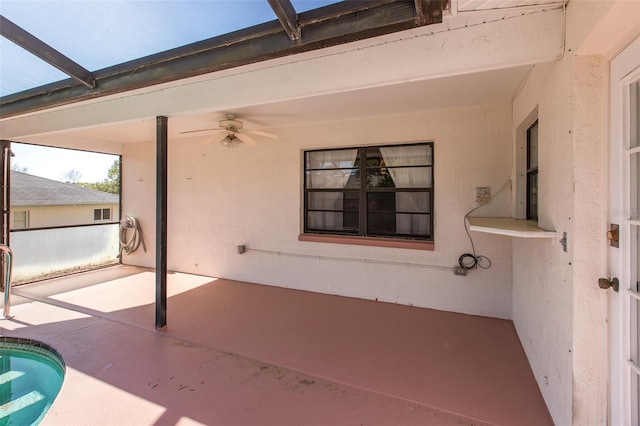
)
(368, 241)
(510, 227)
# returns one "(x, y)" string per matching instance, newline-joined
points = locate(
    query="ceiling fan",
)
(234, 132)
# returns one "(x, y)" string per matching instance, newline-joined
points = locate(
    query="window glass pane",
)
(413, 202)
(325, 179)
(333, 201)
(381, 218)
(331, 221)
(635, 187)
(386, 167)
(405, 202)
(106, 214)
(635, 329)
(384, 223)
(413, 224)
(335, 159)
(532, 193)
(381, 202)
(635, 321)
(97, 214)
(532, 146)
(379, 178)
(408, 155)
(351, 217)
(388, 213)
(403, 177)
(635, 114)
(635, 254)
(381, 223)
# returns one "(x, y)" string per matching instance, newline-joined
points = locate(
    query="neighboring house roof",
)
(29, 190)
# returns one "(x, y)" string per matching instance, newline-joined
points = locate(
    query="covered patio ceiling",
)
(480, 52)
(451, 92)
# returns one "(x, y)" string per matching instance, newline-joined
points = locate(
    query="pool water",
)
(31, 375)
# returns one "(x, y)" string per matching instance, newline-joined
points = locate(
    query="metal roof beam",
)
(331, 25)
(287, 16)
(29, 42)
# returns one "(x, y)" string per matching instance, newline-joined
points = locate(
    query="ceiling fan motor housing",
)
(231, 123)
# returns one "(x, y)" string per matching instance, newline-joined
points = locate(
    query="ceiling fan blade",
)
(265, 134)
(246, 139)
(201, 130)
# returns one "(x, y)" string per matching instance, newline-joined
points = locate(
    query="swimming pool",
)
(31, 374)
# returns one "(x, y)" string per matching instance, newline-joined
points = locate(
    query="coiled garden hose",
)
(130, 244)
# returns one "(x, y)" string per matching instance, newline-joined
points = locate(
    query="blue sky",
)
(100, 33)
(53, 163)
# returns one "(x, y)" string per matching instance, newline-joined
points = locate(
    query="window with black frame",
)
(376, 191)
(532, 172)
(101, 214)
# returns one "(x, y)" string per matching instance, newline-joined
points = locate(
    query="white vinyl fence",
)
(44, 252)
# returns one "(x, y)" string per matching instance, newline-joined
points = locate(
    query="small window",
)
(101, 214)
(527, 190)
(532, 172)
(377, 191)
(20, 220)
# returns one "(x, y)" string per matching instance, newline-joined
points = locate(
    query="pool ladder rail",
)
(6, 273)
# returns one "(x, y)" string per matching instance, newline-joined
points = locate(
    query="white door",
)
(623, 260)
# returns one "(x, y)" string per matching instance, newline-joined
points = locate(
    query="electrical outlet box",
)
(483, 194)
(459, 270)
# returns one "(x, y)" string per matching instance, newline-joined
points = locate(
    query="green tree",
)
(111, 183)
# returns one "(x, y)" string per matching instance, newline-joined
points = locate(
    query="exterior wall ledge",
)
(510, 227)
(368, 241)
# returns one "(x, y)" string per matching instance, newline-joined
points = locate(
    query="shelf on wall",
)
(508, 226)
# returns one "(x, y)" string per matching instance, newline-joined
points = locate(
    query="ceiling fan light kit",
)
(230, 142)
(235, 132)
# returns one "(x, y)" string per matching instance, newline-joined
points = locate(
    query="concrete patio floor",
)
(236, 353)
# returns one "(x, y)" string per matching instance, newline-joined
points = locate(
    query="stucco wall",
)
(219, 198)
(542, 281)
(558, 311)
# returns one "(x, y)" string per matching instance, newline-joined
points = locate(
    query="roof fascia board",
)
(325, 27)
